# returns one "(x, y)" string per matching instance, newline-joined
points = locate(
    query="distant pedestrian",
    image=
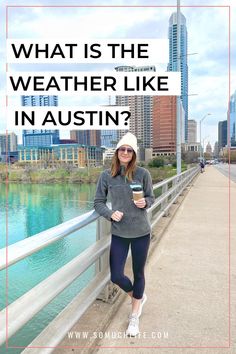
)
(202, 165)
(131, 192)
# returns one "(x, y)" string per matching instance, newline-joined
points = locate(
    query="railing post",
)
(180, 180)
(175, 185)
(150, 216)
(110, 290)
(165, 202)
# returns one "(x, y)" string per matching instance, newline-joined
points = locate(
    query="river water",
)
(25, 210)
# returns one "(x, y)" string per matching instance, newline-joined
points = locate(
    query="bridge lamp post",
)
(178, 118)
(208, 114)
(203, 143)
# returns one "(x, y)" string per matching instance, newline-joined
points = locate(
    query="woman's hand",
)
(117, 215)
(141, 203)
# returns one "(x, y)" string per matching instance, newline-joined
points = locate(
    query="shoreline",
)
(70, 175)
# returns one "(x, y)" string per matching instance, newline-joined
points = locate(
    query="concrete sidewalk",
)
(187, 279)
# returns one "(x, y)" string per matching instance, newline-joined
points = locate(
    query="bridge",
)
(189, 278)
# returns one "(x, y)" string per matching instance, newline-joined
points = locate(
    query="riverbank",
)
(68, 174)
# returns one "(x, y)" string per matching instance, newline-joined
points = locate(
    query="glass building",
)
(222, 134)
(172, 66)
(40, 137)
(109, 138)
(232, 117)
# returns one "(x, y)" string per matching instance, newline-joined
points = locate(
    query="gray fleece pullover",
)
(135, 221)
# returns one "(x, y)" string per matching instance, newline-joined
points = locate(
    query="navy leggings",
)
(118, 255)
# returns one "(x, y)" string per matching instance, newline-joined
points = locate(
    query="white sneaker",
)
(133, 328)
(144, 299)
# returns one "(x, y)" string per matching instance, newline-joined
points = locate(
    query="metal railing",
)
(166, 193)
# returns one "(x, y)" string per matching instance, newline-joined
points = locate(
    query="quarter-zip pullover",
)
(134, 222)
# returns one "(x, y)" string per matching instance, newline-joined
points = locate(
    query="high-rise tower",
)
(86, 137)
(164, 124)
(192, 131)
(141, 110)
(172, 66)
(40, 137)
(222, 134)
(232, 112)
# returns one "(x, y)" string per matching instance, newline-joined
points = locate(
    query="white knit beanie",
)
(128, 139)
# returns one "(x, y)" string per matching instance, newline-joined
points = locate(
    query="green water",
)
(27, 209)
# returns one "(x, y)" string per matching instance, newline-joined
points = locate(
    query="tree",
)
(190, 156)
(156, 162)
(232, 156)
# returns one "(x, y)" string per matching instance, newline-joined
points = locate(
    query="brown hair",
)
(129, 171)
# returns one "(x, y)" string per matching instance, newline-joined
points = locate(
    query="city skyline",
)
(208, 70)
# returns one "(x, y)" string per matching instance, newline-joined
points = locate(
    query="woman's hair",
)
(115, 166)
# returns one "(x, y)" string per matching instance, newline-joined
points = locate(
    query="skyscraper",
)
(164, 125)
(192, 131)
(172, 66)
(222, 134)
(86, 137)
(216, 149)
(8, 147)
(8, 142)
(41, 100)
(40, 137)
(109, 138)
(232, 117)
(141, 111)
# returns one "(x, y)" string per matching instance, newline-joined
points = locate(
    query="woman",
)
(130, 224)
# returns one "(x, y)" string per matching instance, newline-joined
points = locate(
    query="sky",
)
(208, 36)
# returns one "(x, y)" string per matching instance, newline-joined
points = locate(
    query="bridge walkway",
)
(187, 281)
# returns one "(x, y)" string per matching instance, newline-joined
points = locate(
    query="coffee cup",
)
(137, 193)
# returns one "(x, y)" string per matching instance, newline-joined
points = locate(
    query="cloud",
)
(73, 23)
